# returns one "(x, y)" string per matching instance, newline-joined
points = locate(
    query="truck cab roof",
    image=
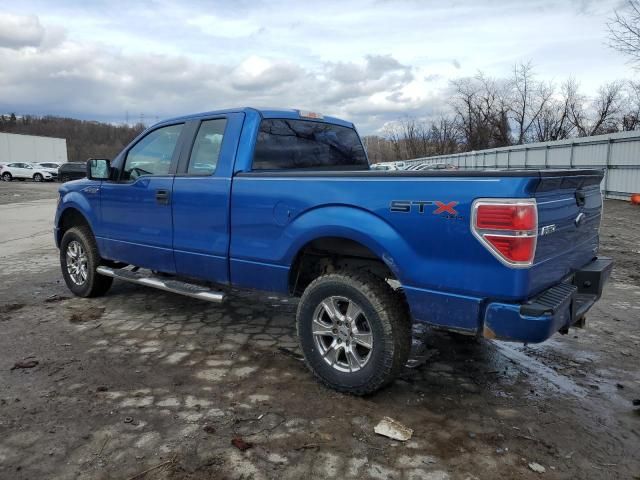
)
(293, 114)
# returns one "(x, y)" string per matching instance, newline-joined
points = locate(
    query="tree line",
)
(485, 112)
(85, 139)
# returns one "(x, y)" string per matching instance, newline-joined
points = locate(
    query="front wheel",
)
(354, 331)
(6, 176)
(79, 260)
(38, 177)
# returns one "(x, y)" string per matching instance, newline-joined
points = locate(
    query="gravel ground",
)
(17, 191)
(144, 381)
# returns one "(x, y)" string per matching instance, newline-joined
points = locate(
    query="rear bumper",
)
(557, 308)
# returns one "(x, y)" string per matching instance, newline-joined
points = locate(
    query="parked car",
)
(415, 166)
(383, 166)
(72, 171)
(23, 171)
(50, 167)
(55, 165)
(285, 201)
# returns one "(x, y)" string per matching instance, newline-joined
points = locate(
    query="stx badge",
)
(405, 206)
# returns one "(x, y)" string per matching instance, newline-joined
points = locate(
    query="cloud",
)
(255, 74)
(95, 81)
(20, 31)
(350, 80)
(367, 61)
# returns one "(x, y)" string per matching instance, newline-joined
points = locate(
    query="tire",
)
(381, 319)
(38, 177)
(6, 176)
(81, 276)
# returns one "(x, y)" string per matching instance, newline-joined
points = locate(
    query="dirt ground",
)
(142, 384)
(26, 191)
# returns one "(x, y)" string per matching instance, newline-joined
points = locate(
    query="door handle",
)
(162, 197)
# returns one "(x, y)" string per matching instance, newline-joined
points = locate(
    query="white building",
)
(30, 148)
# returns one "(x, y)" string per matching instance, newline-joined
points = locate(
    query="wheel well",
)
(328, 254)
(71, 218)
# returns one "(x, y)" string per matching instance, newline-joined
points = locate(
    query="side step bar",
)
(173, 286)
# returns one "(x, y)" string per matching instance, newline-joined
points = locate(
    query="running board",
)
(173, 286)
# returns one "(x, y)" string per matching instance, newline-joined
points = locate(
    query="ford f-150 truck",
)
(285, 201)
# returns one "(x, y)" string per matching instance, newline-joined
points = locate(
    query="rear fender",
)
(350, 223)
(451, 311)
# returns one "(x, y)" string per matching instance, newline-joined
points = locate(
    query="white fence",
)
(32, 148)
(618, 154)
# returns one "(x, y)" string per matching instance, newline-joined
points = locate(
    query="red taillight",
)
(508, 228)
(506, 217)
(517, 249)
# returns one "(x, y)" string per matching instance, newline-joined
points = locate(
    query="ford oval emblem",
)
(580, 219)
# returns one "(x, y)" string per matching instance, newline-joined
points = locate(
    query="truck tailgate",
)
(569, 212)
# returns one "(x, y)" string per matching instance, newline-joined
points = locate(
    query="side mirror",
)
(98, 169)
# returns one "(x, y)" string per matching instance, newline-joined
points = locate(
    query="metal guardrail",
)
(617, 153)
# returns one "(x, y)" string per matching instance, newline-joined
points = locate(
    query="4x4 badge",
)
(547, 230)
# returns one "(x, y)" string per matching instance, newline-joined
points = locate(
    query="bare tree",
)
(444, 136)
(481, 105)
(599, 116)
(607, 106)
(530, 99)
(631, 115)
(553, 122)
(624, 31)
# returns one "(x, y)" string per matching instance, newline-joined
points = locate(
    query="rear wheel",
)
(354, 331)
(6, 176)
(79, 260)
(38, 177)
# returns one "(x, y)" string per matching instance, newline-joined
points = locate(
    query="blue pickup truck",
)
(285, 201)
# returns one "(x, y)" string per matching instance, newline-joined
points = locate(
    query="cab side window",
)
(206, 147)
(152, 154)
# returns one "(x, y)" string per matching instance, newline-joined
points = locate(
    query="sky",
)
(371, 62)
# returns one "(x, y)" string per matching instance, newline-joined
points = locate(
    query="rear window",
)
(299, 144)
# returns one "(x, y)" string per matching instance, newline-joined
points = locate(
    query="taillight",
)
(508, 228)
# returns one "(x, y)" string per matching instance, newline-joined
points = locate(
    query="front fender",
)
(77, 201)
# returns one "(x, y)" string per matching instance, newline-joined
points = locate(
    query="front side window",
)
(300, 144)
(152, 155)
(206, 147)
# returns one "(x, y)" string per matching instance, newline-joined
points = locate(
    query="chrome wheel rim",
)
(342, 334)
(76, 262)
